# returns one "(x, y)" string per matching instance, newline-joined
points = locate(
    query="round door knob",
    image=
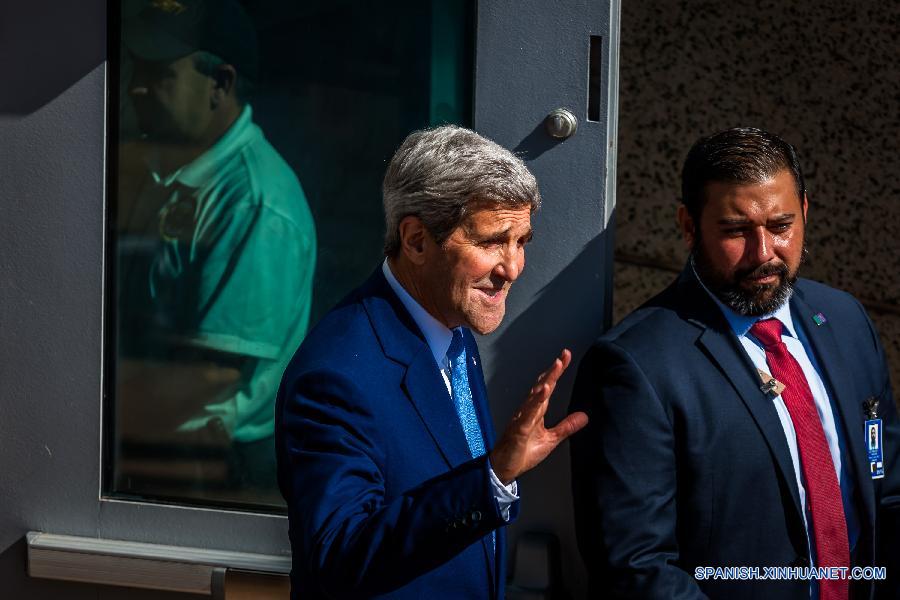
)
(561, 124)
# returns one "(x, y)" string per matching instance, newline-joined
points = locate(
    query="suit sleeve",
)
(624, 482)
(352, 541)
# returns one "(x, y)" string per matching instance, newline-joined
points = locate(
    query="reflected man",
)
(695, 457)
(386, 452)
(217, 248)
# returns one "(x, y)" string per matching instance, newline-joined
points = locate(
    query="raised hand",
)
(526, 441)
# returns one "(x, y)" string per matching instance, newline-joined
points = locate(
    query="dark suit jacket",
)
(384, 499)
(685, 463)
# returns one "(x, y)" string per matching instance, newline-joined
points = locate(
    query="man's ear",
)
(687, 226)
(224, 79)
(414, 239)
(805, 208)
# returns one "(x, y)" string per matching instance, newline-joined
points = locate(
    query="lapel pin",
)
(871, 407)
(819, 319)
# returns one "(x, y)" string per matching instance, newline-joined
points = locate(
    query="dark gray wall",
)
(51, 189)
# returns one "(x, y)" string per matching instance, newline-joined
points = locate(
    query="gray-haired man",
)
(385, 446)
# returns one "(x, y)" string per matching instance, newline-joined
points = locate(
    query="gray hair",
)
(438, 174)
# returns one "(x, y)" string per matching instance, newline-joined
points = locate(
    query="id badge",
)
(873, 448)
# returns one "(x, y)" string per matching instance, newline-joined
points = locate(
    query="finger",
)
(562, 361)
(541, 380)
(531, 412)
(559, 365)
(535, 406)
(570, 425)
(535, 402)
(566, 358)
(553, 372)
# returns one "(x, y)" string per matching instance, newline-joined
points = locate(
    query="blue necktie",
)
(462, 398)
(462, 394)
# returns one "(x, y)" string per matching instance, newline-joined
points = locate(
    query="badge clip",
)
(871, 407)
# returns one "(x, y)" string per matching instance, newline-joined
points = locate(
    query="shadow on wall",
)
(535, 143)
(578, 291)
(35, 73)
(567, 312)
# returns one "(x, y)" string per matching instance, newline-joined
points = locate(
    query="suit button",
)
(475, 516)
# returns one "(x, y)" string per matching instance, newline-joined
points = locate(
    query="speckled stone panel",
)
(888, 326)
(634, 285)
(822, 74)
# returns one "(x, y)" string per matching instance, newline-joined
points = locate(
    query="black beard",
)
(754, 301)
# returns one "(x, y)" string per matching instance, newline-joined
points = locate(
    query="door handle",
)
(561, 124)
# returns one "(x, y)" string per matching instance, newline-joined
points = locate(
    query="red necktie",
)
(823, 492)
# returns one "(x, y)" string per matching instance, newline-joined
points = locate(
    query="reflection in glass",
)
(217, 247)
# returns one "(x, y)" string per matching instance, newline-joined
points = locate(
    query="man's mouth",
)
(763, 280)
(764, 275)
(492, 294)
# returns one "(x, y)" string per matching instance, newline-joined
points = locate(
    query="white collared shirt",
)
(438, 338)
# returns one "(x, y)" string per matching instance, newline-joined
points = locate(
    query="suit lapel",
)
(402, 341)
(726, 352)
(423, 385)
(425, 388)
(845, 398)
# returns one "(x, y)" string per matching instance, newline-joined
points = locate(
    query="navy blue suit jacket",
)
(685, 463)
(384, 499)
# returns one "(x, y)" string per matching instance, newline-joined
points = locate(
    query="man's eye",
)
(734, 232)
(780, 227)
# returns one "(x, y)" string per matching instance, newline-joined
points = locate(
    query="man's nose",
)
(512, 263)
(761, 245)
(137, 89)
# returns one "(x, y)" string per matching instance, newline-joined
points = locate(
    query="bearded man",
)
(730, 415)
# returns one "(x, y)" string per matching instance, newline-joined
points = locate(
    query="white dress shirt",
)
(438, 338)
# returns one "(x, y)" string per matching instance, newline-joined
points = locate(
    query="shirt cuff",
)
(505, 495)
